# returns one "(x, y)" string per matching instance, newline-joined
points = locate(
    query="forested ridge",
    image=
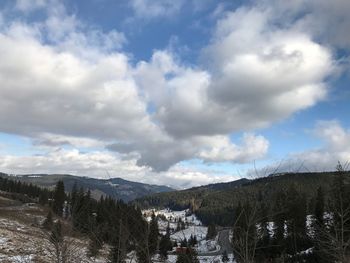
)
(299, 217)
(216, 203)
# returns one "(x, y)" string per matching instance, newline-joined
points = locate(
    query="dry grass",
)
(23, 240)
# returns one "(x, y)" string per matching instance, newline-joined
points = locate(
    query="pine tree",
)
(142, 246)
(95, 242)
(73, 198)
(339, 236)
(153, 235)
(165, 244)
(212, 232)
(181, 258)
(118, 249)
(263, 246)
(190, 256)
(59, 197)
(178, 226)
(245, 238)
(319, 229)
(184, 243)
(192, 241)
(297, 240)
(279, 219)
(183, 225)
(319, 207)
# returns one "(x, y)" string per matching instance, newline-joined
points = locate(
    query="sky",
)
(179, 93)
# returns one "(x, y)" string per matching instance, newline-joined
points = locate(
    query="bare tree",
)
(333, 239)
(59, 245)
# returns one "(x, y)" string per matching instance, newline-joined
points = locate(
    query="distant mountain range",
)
(115, 187)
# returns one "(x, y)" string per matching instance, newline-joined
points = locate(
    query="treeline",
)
(217, 205)
(24, 191)
(288, 229)
(104, 221)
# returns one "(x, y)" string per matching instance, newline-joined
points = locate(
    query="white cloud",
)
(75, 86)
(221, 150)
(55, 140)
(30, 5)
(160, 154)
(102, 164)
(336, 147)
(255, 74)
(326, 20)
(57, 92)
(156, 8)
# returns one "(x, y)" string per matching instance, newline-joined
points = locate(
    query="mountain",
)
(221, 186)
(216, 203)
(192, 197)
(116, 187)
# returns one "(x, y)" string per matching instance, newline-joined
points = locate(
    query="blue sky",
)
(181, 93)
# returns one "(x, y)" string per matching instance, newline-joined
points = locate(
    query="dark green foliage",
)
(142, 237)
(297, 239)
(153, 235)
(279, 218)
(118, 248)
(25, 192)
(95, 219)
(59, 198)
(82, 211)
(95, 239)
(189, 256)
(339, 233)
(184, 243)
(165, 244)
(192, 241)
(215, 205)
(181, 258)
(264, 242)
(319, 207)
(180, 225)
(212, 232)
(245, 238)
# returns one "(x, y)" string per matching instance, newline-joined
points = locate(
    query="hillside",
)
(115, 187)
(215, 203)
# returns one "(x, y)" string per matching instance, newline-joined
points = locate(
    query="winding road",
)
(224, 242)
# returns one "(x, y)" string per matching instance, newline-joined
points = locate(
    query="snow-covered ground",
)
(167, 217)
(193, 226)
(202, 259)
(199, 231)
(22, 241)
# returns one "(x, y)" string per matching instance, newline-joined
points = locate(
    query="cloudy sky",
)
(174, 92)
